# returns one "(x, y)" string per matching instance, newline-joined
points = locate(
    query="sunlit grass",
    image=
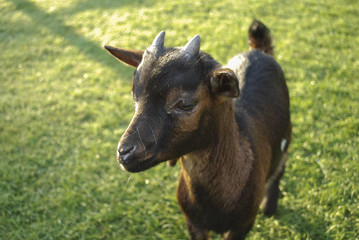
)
(64, 103)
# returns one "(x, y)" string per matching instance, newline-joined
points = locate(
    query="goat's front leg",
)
(196, 232)
(239, 233)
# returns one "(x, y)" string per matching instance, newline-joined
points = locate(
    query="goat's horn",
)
(158, 43)
(192, 47)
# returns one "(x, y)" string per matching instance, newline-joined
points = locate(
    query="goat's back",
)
(262, 110)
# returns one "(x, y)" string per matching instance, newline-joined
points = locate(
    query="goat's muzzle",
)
(125, 153)
(133, 159)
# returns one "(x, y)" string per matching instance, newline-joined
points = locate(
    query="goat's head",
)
(175, 91)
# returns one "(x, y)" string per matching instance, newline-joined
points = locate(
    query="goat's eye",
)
(186, 105)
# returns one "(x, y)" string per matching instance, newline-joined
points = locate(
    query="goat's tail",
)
(260, 37)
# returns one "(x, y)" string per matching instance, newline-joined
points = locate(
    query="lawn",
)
(64, 103)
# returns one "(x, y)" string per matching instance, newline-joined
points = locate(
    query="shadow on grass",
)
(107, 4)
(57, 26)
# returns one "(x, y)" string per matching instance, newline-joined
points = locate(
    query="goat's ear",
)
(224, 84)
(130, 57)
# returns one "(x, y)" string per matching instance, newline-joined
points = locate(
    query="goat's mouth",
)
(138, 165)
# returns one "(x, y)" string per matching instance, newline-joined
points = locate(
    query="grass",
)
(64, 103)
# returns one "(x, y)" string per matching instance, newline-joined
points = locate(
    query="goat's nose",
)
(125, 152)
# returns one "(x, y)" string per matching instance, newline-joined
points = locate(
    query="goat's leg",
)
(196, 232)
(270, 201)
(239, 233)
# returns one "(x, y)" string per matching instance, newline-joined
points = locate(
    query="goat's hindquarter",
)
(265, 99)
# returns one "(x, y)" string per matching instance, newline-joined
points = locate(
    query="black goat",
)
(229, 125)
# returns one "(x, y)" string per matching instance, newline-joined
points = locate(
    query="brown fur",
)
(230, 174)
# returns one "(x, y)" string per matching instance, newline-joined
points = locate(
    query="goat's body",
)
(222, 186)
(230, 125)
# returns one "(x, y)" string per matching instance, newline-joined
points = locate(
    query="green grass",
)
(64, 103)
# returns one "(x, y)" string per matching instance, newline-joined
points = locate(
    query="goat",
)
(229, 126)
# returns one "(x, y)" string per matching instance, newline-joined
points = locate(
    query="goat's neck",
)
(225, 159)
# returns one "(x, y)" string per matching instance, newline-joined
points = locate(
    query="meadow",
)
(64, 103)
